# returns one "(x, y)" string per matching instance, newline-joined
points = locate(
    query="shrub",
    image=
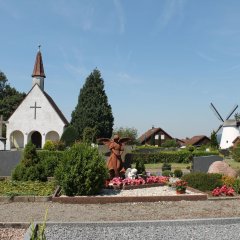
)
(59, 145)
(203, 181)
(178, 173)
(169, 143)
(236, 185)
(29, 168)
(167, 173)
(190, 148)
(228, 181)
(49, 145)
(49, 160)
(69, 136)
(82, 170)
(166, 166)
(140, 167)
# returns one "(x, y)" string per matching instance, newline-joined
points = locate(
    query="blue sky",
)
(163, 61)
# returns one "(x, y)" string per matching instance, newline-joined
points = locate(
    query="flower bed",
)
(223, 191)
(129, 183)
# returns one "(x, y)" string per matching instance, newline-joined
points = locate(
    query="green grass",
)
(16, 188)
(158, 166)
(235, 165)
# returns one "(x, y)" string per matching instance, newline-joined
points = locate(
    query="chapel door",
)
(36, 139)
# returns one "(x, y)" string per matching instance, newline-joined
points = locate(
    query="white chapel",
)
(37, 118)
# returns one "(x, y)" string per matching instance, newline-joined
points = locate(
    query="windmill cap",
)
(230, 123)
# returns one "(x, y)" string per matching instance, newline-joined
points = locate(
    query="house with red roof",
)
(154, 136)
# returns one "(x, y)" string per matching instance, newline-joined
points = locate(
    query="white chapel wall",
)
(47, 120)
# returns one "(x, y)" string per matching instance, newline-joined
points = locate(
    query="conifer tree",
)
(213, 140)
(93, 110)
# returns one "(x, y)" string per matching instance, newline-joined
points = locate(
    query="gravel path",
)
(28, 212)
(12, 233)
(217, 230)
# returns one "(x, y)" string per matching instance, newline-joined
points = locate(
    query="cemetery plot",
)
(26, 191)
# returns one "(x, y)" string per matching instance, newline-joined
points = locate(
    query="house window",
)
(162, 137)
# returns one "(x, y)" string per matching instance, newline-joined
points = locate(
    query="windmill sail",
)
(230, 114)
(216, 112)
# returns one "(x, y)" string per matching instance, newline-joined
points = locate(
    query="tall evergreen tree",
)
(93, 110)
(10, 98)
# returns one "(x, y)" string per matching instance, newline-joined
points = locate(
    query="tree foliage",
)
(93, 110)
(69, 136)
(237, 116)
(127, 132)
(10, 98)
(213, 140)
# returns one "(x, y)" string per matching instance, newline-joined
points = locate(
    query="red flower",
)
(223, 191)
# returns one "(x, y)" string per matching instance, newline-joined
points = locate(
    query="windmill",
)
(230, 127)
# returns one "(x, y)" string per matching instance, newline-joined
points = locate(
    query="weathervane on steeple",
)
(39, 46)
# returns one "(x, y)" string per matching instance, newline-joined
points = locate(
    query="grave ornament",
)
(115, 162)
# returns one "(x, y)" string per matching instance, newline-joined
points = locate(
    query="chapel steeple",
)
(38, 70)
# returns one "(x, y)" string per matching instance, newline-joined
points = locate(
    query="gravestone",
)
(8, 161)
(202, 164)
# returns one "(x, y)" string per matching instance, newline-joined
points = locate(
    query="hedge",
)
(166, 156)
(203, 181)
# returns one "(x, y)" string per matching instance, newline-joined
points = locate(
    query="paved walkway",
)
(217, 229)
(28, 212)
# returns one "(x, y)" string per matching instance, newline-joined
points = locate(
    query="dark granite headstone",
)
(202, 164)
(8, 161)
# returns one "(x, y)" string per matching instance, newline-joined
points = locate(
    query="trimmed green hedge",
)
(167, 156)
(203, 181)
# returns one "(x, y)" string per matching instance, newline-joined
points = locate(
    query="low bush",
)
(228, 181)
(140, 167)
(203, 181)
(178, 173)
(167, 173)
(49, 145)
(14, 188)
(236, 185)
(166, 166)
(29, 167)
(82, 170)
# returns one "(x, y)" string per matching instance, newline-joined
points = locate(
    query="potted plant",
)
(180, 186)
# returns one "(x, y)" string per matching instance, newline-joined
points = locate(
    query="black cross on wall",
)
(35, 110)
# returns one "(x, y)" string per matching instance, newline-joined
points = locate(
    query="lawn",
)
(235, 165)
(16, 188)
